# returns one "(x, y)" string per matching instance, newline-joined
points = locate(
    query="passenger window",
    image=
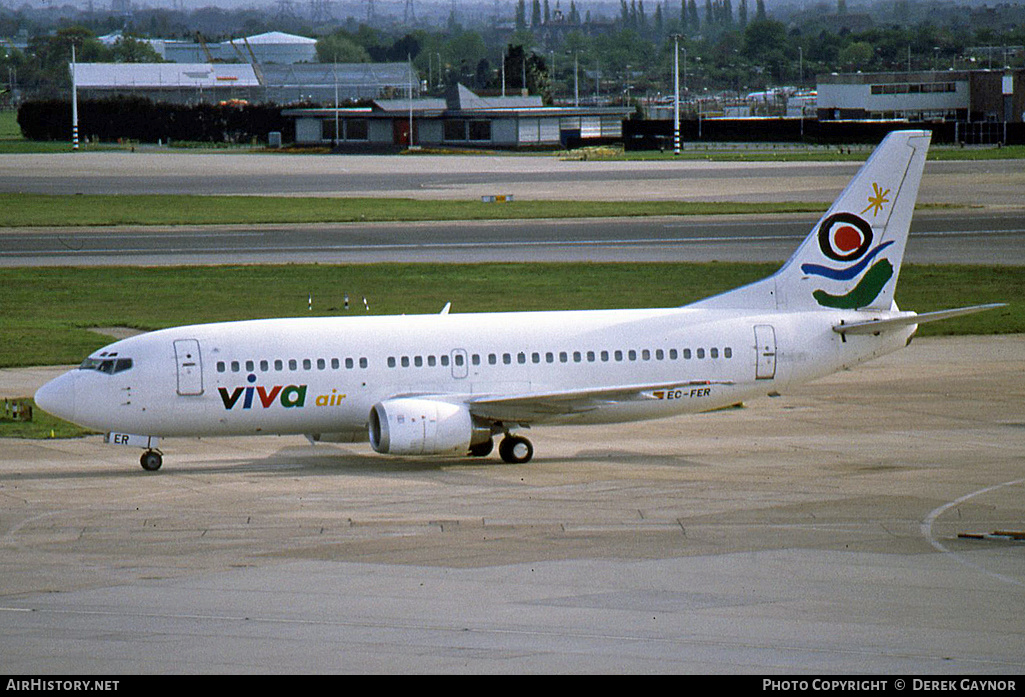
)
(549, 357)
(432, 361)
(278, 364)
(459, 359)
(492, 359)
(701, 353)
(563, 357)
(727, 352)
(405, 361)
(235, 367)
(646, 354)
(507, 358)
(576, 356)
(221, 367)
(605, 356)
(307, 364)
(713, 353)
(362, 362)
(521, 358)
(250, 366)
(659, 354)
(348, 364)
(391, 361)
(535, 357)
(632, 355)
(293, 364)
(686, 354)
(619, 355)
(418, 361)
(672, 354)
(590, 356)
(444, 360)
(321, 364)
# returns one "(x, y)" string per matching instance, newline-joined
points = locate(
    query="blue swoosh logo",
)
(848, 273)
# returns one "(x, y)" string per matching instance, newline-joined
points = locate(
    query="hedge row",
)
(139, 119)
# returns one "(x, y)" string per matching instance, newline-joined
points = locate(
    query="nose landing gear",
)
(151, 460)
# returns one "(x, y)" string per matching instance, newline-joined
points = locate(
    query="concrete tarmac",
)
(813, 533)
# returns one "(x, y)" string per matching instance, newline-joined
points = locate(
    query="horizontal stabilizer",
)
(874, 326)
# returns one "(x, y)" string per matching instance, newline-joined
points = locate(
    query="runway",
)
(814, 533)
(468, 177)
(964, 237)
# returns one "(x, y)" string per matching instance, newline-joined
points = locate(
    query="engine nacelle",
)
(411, 426)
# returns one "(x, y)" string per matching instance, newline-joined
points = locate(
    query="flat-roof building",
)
(968, 96)
(461, 119)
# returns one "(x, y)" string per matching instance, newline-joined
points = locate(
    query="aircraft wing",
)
(874, 326)
(535, 407)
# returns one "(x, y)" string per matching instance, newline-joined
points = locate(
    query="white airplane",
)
(447, 384)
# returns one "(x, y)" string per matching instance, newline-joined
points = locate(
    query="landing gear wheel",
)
(482, 449)
(151, 460)
(516, 450)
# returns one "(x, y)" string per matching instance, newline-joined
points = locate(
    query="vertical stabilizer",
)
(852, 257)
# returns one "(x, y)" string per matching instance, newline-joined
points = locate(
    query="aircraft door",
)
(765, 352)
(460, 366)
(190, 367)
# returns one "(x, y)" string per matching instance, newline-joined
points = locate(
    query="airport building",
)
(270, 47)
(967, 96)
(280, 83)
(461, 119)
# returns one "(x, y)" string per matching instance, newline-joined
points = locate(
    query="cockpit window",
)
(110, 366)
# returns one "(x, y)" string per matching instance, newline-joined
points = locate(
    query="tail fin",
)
(852, 257)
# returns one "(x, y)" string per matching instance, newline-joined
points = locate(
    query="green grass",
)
(42, 425)
(46, 313)
(42, 210)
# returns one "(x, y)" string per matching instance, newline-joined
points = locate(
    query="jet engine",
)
(411, 426)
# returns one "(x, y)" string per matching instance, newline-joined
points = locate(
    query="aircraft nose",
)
(57, 397)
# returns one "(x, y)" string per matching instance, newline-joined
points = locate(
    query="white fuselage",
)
(323, 375)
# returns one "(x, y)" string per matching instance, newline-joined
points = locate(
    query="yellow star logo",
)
(875, 203)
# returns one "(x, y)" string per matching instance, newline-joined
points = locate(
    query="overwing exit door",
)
(190, 367)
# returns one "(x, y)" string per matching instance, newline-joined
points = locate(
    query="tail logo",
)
(847, 238)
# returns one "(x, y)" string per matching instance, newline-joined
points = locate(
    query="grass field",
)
(40, 210)
(47, 314)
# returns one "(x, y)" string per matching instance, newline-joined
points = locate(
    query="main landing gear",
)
(515, 450)
(151, 460)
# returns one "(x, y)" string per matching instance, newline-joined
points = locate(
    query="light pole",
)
(676, 94)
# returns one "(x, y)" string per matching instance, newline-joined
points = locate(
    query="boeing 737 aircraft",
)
(448, 384)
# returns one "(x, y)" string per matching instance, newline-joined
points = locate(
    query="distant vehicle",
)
(448, 384)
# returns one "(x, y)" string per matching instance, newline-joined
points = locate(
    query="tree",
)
(760, 12)
(341, 47)
(856, 55)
